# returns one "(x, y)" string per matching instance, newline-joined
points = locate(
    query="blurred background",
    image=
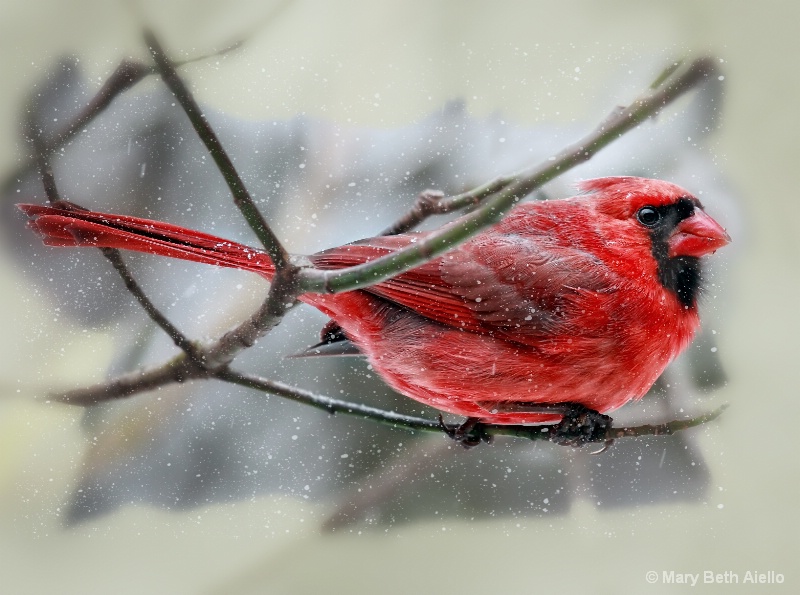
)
(338, 114)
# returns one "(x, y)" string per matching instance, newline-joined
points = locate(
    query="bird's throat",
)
(682, 276)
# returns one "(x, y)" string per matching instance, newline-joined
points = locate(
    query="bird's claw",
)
(469, 434)
(581, 425)
(606, 445)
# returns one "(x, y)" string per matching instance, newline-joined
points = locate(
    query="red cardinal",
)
(581, 301)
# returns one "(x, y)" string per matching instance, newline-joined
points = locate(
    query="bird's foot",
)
(581, 425)
(469, 434)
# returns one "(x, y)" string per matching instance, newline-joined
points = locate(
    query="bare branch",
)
(282, 297)
(42, 159)
(668, 428)
(328, 404)
(241, 197)
(426, 204)
(547, 432)
(179, 369)
(502, 193)
(180, 340)
(414, 424)
(113, 255)
(125, 76)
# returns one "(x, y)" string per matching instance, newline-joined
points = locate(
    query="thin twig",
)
(180, 340)
(125, 76)
(426, 204)
(178, 369)
(112, 254)
(42, 159)
(415, 424)
(241, 196)
(280, 299)
(667, 428)
(612, 433)
(328, 404)
(283, 291)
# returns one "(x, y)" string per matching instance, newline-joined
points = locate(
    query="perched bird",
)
(565, 305)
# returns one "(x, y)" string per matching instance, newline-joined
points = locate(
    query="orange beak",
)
(697, 236)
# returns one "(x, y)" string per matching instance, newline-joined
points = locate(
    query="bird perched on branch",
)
(565, 308)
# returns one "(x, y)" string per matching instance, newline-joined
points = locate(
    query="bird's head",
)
(672, 217)
(678, 230)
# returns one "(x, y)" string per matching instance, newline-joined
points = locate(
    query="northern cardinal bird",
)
(581, 301)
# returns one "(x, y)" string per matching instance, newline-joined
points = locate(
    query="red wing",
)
(524, 288)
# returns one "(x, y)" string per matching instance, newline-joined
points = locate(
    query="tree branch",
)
(416, 424)
(241, 196)
(284, 289)
(125, 76)
(112, 254)
(180, 340)
(280, 299)
(179, 369)
(328, 404)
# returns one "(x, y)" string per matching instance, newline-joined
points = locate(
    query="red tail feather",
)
(75, 227)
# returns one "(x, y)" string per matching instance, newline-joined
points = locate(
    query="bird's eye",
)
(648, 216)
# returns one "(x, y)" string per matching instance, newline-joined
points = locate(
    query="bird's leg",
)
(470, 433)
(580, 425)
